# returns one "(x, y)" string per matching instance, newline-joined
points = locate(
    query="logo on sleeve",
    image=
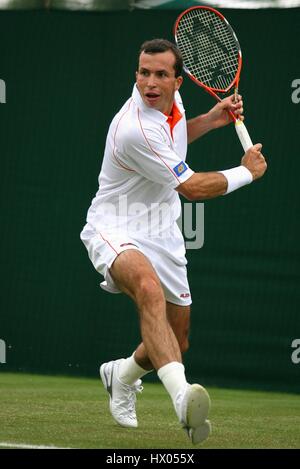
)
(180, 168)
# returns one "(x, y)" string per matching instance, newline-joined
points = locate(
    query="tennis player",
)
(132, 236)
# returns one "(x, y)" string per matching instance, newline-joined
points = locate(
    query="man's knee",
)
(135, 276)
(149, 290)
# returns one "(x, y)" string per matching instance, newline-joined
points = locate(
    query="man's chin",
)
(152, 102)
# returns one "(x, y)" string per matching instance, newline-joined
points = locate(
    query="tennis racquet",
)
(212, 56)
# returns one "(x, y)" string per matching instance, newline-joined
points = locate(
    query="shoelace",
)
(136, 388)
(127, 405)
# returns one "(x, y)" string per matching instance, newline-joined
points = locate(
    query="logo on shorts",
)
(180, 168)
(185, 295)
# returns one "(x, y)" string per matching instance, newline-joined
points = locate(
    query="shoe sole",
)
(201, 433)
(198, 404)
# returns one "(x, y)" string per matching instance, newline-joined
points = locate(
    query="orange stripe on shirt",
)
(173, 118)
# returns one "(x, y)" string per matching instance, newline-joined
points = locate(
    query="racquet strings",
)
(209, 48)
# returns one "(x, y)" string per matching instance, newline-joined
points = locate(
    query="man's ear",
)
(178, 82)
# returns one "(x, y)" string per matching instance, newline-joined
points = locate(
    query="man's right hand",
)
(255, 161)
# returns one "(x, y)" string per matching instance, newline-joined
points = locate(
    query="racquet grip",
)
(243, 135)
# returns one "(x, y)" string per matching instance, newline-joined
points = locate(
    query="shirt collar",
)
(154, 114)
(174, 117)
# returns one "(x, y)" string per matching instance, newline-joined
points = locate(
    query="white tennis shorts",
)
(167, 256)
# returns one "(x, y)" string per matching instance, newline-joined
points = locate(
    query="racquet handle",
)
(243, 135)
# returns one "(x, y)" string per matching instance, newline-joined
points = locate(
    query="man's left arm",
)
(217, 117)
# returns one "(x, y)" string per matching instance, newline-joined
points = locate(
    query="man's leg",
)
(135, 276)
(139, 364)
(179, 319)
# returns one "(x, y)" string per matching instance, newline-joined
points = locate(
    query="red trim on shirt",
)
(110, 245)
(174, 117)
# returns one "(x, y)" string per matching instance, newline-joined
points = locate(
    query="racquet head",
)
(210, 49)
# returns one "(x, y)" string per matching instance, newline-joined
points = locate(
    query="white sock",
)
(173, 378)
(130, 371)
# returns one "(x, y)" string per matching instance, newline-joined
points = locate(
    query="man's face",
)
(156, 80)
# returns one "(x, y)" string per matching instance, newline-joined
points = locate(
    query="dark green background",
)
(66, 75)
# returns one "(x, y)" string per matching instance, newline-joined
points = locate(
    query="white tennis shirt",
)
(143, 164)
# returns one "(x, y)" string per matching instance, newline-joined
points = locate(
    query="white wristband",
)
(237, 177)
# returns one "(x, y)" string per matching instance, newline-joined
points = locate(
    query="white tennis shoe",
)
(192, 406)
(122, 397)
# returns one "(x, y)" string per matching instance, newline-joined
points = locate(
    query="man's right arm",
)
(201, 186)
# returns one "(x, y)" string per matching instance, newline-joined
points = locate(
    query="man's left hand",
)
(218, 115)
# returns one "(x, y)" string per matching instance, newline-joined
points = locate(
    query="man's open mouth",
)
(152, 96)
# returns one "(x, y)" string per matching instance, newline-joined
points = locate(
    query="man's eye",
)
(144, 73)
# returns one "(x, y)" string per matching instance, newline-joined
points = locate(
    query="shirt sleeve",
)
(149, 155)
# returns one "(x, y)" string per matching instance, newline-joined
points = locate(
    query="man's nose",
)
(151, 80)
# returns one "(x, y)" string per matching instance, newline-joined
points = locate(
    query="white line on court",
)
(4, 444)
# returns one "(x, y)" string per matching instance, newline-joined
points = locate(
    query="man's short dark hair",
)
(155, 46)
